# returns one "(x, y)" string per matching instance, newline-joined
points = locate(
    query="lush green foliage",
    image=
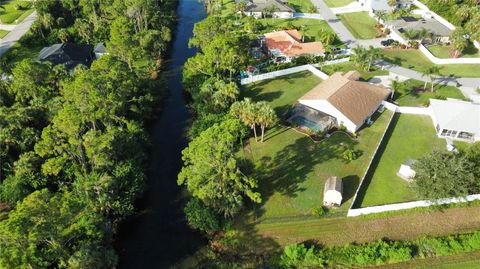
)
(201, 217)
(75, 142)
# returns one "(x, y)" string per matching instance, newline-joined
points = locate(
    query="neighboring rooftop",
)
(432, 25)
(67, 54)
(100, 48)
(355, 99)
(333, 183)
(261, 5)
(455, 114)
(288, 43)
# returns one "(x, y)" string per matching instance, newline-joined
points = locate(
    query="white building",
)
(349, 101)
(279, 9)
(456, 119)
(332, 192)
(382, 5)
(406, 171)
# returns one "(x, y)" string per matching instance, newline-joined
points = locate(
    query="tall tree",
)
(431, 72)
(266, 116)
(245, 110)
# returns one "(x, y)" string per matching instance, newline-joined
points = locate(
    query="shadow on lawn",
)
(371, 170)
(292, 165)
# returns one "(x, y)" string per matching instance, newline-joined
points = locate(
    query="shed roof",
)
(333, 183)
(457, 115)
(354, 99)
(100, 48)
(290, 44)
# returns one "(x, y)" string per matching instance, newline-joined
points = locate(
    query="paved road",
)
(335, 23)
(17, 33)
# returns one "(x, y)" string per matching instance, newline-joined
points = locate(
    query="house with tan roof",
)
(259, 8)
(350, 101)
(283, 46)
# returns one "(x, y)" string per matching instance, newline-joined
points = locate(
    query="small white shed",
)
(406, 171)
(332, 192)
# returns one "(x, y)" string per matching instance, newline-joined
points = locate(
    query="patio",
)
(310, 119)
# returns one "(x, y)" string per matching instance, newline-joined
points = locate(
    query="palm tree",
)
(359, 56)
(246, 111)
(303, 31)
(327, 37)
(373, 54)
(431, 72)
(381, 15)
(392, 3)
(240, 7)
(459, 42)
(265, 116)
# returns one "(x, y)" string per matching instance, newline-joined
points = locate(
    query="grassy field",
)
(338, 3)
(10, 13)
(447, 51)
(409, 137)
(414, 59)
(360, 24)
(469, 260)
(411, 93)
(348, 66)
(313, 27)
(3, 33)
(291, 168)
(304, 6)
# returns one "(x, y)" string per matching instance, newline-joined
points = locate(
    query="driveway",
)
(17, 32)
(335, 23)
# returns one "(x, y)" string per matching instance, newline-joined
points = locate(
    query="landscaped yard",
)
(411, 93)
(360, 24)
(11, 11)
(290, 167)
(409, 137)
(414, 59)
(348, 66)
(338, 3)
(447, 51)
(304, 6)
(312, 27)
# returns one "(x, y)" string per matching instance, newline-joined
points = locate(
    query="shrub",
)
(342, 128)
(350, 155)
(201, 217)
(319, 211)
(309, 131)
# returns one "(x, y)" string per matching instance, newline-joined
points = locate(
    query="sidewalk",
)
(17, 32)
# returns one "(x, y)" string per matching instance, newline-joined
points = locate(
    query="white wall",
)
(326, 107)
(436, 60)
(408, 109)
(284, 15)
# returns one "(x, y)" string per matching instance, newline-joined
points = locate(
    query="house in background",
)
(332, 192)
(283, 46)
(456, 119)
(382, 5)
(100, 50)
(440, 33)
(349, 101)
(258, 8)
(68, 54)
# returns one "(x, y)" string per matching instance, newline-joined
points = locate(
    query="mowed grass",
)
(468, 260)
(10, 13)
(313, 28)
(338, 3)
(291, 168)
(303, 6)
(409, 137)
(411, 93)
(348, 66)
(448, 52)
(3, 33)
(414, 59)
(360, 24)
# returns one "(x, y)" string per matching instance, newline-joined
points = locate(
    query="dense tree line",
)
(73, 143)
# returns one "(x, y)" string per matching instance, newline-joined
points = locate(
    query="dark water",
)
(158, 237)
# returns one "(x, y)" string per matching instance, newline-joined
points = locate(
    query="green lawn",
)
(468, 260)
(348, 66)
(304, 6)
(447, 52)
(313, 27)
(10, 13)
(409, 137)
(338, 3)
(291, 168)
(360, 24)
(410, 93)
(414, 59)
(3, 33)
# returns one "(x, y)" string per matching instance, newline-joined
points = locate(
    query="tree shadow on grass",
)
(290, 167)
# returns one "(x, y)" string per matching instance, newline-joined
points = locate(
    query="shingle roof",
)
(290, 44)
(354, 99)
(100, 48)
(260, 5)
(456, 115)
(67, 54)
(429, 24)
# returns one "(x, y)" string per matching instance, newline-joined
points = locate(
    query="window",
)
(449, 133)
(465, 135)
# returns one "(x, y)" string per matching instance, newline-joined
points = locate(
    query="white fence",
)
(436, 60)
(293, 70)
(409, 205)
(435, 15)
(315, 16)
(407, 109)
(352, 7)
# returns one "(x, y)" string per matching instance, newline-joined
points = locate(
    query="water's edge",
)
(157, 236)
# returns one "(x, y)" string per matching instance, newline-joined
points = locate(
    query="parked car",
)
(387, 42)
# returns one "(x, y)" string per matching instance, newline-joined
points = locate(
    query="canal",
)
(157, 236)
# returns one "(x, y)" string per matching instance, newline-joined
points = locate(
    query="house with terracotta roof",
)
(284, 46)
(350, 101)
